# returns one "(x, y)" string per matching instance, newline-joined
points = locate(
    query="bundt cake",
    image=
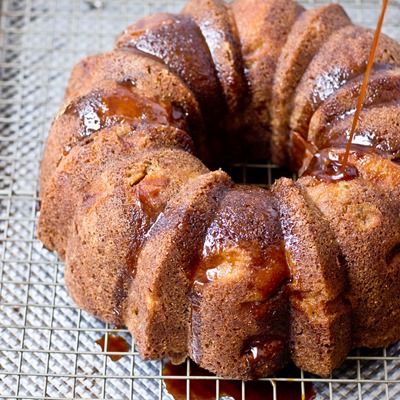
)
(238, 278)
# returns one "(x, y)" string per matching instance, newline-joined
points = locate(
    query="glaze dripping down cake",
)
(238, 278)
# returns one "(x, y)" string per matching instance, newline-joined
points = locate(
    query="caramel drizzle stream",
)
(364, 85)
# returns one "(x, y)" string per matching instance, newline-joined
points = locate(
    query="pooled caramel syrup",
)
(103, 109)
(205, 389)
(115, 344)
(328, 166)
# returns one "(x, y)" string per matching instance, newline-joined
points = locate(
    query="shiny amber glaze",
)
(103, 109)
(267, 270)
(328, 166)
(203, 389)
(115, 344)
(365, 83)
(263, 350)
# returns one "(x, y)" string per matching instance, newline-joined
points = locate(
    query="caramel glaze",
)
(203, 389)
(364, 85)
(330, 166)
(327, 165)
(253, 260)
(264, 245)
(262, 350)
(115, 344)
(102, 109)
(266, 281)
(178, 41)
(383, 87)
(368, 133)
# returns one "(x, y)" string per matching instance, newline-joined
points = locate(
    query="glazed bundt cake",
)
(238, 278)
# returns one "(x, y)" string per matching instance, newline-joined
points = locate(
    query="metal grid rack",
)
(47, 345)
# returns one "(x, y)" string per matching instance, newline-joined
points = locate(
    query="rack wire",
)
(47, 345)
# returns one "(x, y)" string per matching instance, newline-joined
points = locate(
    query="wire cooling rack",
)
(47, 345)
